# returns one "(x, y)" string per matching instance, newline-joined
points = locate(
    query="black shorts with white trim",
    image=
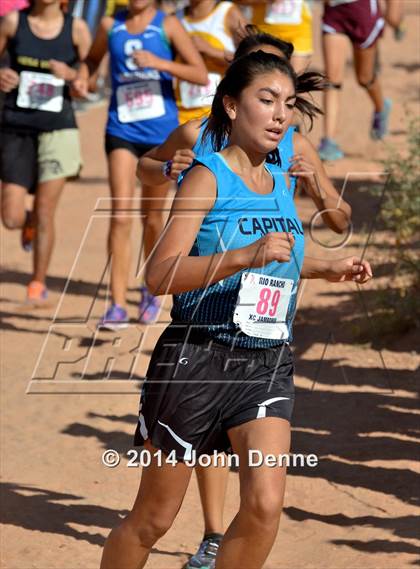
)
(196, 390)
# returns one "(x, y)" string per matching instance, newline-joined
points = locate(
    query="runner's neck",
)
(137, 22)
(249, 166)
(46, 25)
(46, 13)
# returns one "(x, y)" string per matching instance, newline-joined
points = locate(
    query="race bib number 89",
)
(262, 306)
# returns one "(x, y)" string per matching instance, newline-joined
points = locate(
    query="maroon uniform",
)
(360, 20)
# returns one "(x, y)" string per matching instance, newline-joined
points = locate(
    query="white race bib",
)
(262, 305)
(198, 96)
(140, 101)
(284, 12)
(41, 91)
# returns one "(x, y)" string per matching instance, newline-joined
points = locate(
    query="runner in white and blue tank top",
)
(142, 42)
(142, 108)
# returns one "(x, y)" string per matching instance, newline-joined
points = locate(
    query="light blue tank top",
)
(142, 107)
(238, 218)
(204, 147)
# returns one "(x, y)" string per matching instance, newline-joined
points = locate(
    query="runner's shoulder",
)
(9, 24)
(302, 144)
(172, 24)
(79, 26)
(189, 132)
(199, 183)
(106, 23)
(78, 23)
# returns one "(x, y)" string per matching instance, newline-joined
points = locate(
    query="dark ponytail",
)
(308, 82)
(240, 75)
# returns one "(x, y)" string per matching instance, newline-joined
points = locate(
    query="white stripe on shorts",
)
(262, 411)
(143, 429)
(328, 29)
(187, 446)
(373, 34)
(373, 7)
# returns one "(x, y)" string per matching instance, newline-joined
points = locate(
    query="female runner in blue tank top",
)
(221, 375)
(298, 162)
(142, 42)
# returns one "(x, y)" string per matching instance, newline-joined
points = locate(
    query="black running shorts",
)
(195, 391)
(114, 142)
(19, 159)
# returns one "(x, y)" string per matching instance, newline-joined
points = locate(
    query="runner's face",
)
(263, 112)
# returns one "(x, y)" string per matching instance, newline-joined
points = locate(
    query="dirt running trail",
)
(357, 410)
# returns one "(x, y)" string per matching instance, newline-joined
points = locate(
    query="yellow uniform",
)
(289, 20)
(194, 101)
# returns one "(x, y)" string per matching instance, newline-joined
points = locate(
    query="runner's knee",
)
(263, 507)
(151, 528)
(121, 222)
(12, 221)
(153, 220)
(366, 80)
(44, 214)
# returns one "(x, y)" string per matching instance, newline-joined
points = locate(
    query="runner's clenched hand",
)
(9, 80)
(271, 247)
(350, 269)
(181, 160)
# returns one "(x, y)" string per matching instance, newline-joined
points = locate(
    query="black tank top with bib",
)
(41, 102)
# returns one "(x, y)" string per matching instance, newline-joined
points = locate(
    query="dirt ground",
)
(68, 393)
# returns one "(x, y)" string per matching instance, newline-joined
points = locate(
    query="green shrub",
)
(401, 206)
(397, 307)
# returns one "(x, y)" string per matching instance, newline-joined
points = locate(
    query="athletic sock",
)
(217, 537)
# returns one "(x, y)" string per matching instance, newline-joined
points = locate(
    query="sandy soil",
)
(67, 393)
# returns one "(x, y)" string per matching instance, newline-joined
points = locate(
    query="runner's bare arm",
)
(215, 53)
(171, 270)
(82, 40)
(177, 147)
(193, 68)
(9, 79)
(94, 57)
(307, 166)
(236, 23)
(394, 12)
(337, 270)
(8, 28)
